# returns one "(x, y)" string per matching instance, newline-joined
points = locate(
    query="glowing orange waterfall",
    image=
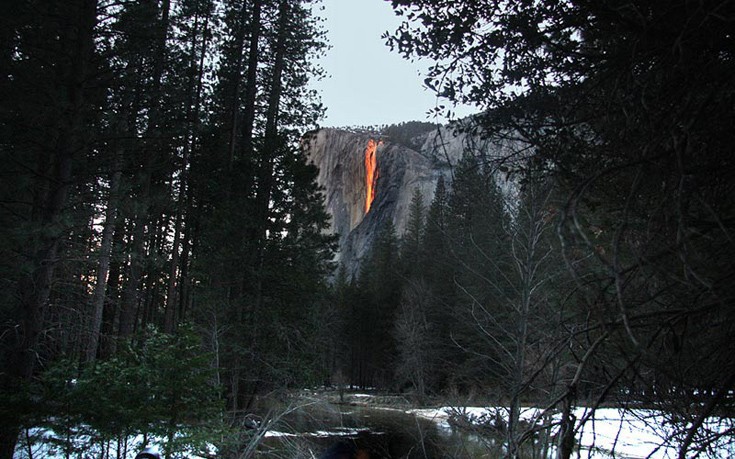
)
(371, 172)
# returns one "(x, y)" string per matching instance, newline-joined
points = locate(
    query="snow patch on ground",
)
(630, 434)
(608, 432)
(44, 443)
(278, 434)
(337, 432)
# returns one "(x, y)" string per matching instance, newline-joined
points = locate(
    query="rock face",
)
(344, 175)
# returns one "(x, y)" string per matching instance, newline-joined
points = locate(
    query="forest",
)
(165, 260)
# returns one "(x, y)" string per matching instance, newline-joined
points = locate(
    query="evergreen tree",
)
(417, 340)
(435, 249)
(162, 387)
(265, 213)
(478, 240)
(380, 289)
(141, 192)
(413, 237)
(49, 60)
(628, 106)
(439, 271)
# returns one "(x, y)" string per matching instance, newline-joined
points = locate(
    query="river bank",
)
(303, 424)
(383, 424)
(440, 429)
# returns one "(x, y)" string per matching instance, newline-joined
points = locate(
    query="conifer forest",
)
(168, 269)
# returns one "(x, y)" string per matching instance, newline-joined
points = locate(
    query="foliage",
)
(408, 134)
(626, 106)
(154, 177)
(160, 387)
(417, 339)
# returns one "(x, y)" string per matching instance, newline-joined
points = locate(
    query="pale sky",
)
(367, 83)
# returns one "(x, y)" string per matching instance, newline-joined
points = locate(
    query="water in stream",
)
(308, 431)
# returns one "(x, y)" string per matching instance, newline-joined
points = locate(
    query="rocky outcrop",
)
(340, 157)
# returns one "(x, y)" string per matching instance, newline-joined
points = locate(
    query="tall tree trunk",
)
(238, 281)
(178, 269)
(264, 190)
(114, 318)
(103, 269)
(272, 140)
(35, 293)
(170, 315)
(271, 144)
(187, 248)
(251, 82)
(131, 293)
(153, 294)
(237, 79)
(131, 297)
(113, 297)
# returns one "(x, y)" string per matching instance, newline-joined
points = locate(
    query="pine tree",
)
(628, 106)
(413, 237)
(49, 62)
(144, 199)
(479, 246)
(380, 286)
(435, 249)
(438, 269)
(265, 213)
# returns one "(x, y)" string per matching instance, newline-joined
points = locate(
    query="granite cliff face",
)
(345, 160)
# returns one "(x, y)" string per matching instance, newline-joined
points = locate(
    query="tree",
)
(417, 327)
(138, 185)
(413, 237)
(157, 17)
(478, 242)
(439, 271)
(538, 321)
(379, 288)
(266, 212)
(435, 247)
(162, 386)
(50, 53)
(627, 105)
(417, 340)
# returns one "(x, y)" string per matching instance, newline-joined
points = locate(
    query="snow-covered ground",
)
(39, 443)
(608, 432)
(334, 432)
